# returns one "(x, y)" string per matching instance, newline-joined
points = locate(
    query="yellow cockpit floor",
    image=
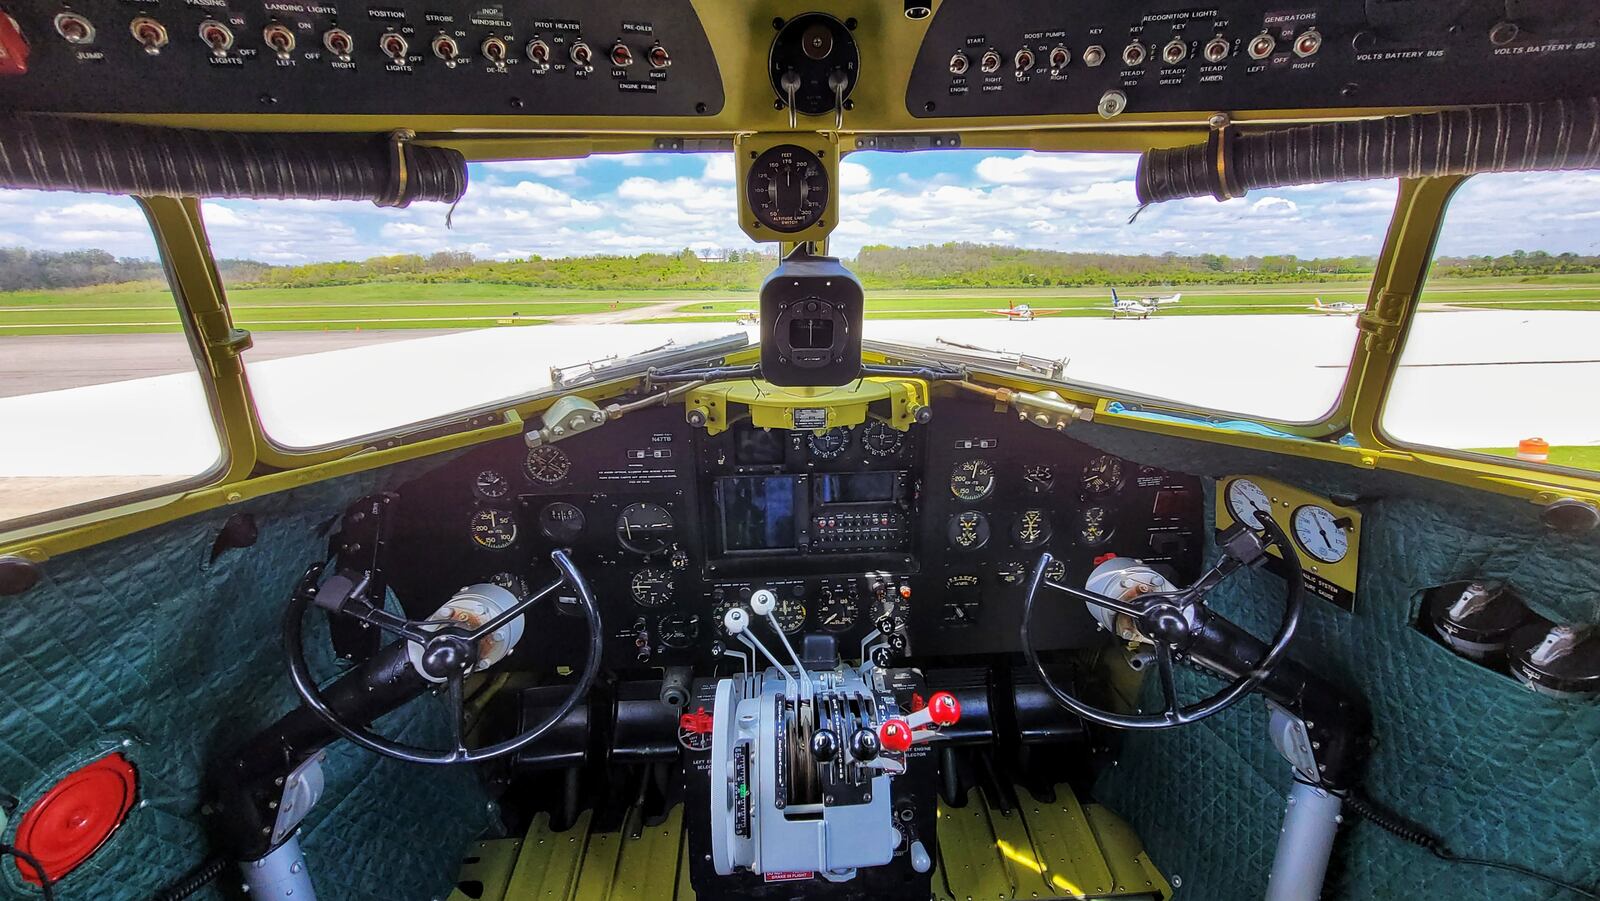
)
(1060, 849)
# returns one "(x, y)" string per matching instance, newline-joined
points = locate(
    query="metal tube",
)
(1310, 821)
(281, 874)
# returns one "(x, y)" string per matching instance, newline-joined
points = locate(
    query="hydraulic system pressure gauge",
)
(1320, 533)
(1245, 499)
(787, 189)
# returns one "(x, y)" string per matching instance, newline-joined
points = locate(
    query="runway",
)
(1485, 378)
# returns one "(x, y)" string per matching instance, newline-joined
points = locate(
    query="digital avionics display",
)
(857, 487)
(757, 513)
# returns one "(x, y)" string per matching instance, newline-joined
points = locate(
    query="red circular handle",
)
(895, 735)
(943, 708)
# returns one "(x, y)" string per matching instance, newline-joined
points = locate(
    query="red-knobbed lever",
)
(900, 733)
(13, 47)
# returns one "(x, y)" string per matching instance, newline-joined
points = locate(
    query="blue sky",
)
(637, 203)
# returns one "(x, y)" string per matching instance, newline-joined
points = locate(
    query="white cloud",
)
(853, 176)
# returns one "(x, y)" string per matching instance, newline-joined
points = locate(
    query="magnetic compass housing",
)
(811, 312)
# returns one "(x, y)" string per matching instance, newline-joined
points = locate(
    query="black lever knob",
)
(824, 745)
(864, 745)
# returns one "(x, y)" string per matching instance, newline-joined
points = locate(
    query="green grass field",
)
(389, 305)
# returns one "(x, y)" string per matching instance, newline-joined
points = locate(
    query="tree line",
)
(951, 265)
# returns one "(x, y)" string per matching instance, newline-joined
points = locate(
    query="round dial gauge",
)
(1102, 475)
(511, 582)
(678, 630)
(644, 528)
(1038, 477)
(791, 614)
(787, 188)
(1093, 528)
(1031, 528)
(881, 439)
(651, 587)
(968, 531)
(491, 484)
(1012, 572)
(829, 444)
(836, 612)
(1056, 571)
(547, 464)
(1245, 498)
(494, 529)
(972, 480)
(1319, 533)
(561, 522)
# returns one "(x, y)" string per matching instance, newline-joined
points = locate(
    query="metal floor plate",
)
(1041, 850)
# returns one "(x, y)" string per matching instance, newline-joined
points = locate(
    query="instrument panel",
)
(927, 534)
(1040, 58)
(513, 57)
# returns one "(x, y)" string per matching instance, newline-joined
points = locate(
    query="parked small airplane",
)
(1021, 312)
(748, 317)
(1141, 307)
(1344, 308)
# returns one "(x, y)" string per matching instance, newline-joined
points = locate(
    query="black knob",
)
(824, 745)
(864, 745)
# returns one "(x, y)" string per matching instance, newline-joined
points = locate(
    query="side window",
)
(100, 391)
(1502, 357)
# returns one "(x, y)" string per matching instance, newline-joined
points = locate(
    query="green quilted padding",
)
(140, 645)
(1495, 770)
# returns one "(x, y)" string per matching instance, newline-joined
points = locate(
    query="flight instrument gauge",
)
(836, 612)
(491, 484)
(787, 188)
(644, 528)
(972, 480)
(968, 531)
(1092, 526)
(1320, 533)
(1245, 498)
(1056, 571)
(651, 587)
(1012, 572)
(1038, 477)
(561, 522)
(511, 582)
(829, 444)
(1102, 475)
(881, 439)
(494, 529)
(678, 630)
(547, 464)
(791, 615)
(1031, 528)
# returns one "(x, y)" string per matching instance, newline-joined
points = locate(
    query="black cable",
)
(206, 874)
(1408, 831)
(46, 884)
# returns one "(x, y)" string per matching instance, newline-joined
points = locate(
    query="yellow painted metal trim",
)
(1131, 867)
(489, 864)
(550, 862)
(771, 407)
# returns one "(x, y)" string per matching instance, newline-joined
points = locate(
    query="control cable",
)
(46, 884)
(1408, 831)
(206, 874)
